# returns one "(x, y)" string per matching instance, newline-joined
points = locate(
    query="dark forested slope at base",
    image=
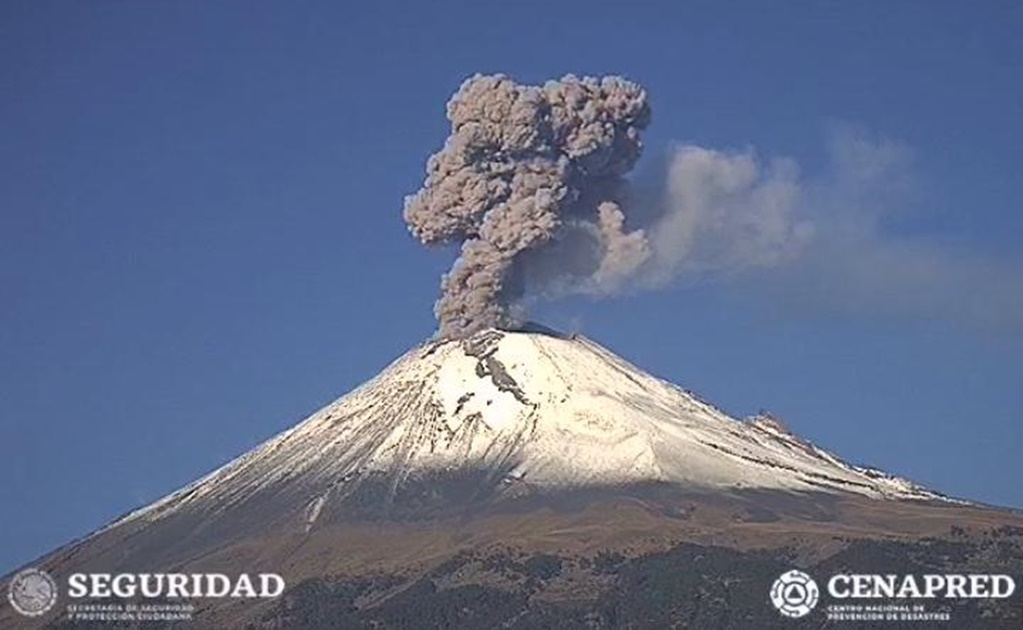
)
(691, 586)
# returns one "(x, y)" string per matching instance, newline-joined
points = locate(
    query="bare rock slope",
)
(506, 447)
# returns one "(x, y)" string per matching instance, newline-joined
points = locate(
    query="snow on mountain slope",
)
(535, 409)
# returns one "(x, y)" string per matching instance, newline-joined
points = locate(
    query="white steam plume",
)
(823, 243)
(531, 184)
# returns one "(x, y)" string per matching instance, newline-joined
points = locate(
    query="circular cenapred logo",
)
(794, 594)
(32, 592)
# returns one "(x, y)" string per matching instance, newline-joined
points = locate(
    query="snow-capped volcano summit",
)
(414, 487)
(536, 411)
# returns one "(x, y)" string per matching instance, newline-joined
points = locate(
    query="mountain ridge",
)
(476, 404)
(534, 449)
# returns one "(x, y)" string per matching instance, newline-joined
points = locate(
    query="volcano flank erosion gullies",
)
(529, 479)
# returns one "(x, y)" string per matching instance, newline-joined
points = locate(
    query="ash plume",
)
(530, 174)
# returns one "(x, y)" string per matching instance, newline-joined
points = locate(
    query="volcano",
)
(530, 479)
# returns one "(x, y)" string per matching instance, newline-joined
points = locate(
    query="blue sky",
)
(201, 238)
